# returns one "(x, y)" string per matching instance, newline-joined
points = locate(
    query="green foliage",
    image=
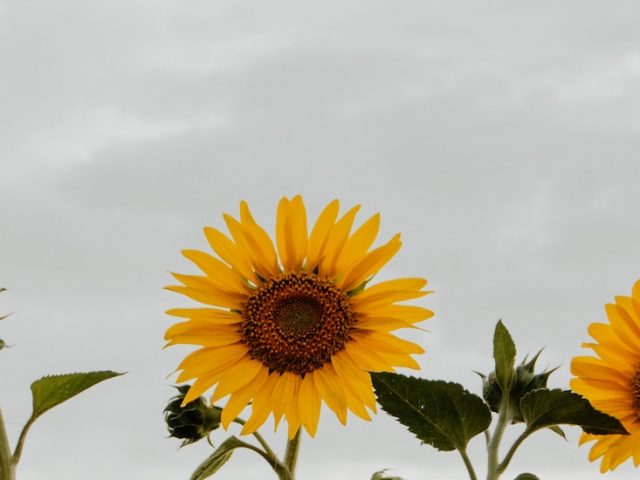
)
(442, 414)
(217, 459)
(525, 380)
(504, 353)
(382, 475)
(52, 390)
(526, 476)
(547, 408)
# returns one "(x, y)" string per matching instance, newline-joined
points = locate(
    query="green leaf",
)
(442, 414)
(382, 475)
(557, 430)
(52, 390)
(217, 459)
(504, 353)
(526, 476)
(546, 408)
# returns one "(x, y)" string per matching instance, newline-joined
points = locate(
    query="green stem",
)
(279, 467)
(267, 448)
(505, 463)
(494, 444)
(7, 464)
(23, 434)
(291, 454)
(468, 464)
(267, 453)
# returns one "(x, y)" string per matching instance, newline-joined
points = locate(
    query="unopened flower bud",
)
(525, 380)
(192, 422)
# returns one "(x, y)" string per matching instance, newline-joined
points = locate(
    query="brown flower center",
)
(635, 390)
(296, 322)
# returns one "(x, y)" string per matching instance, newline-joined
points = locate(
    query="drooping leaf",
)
(526, 476)
(442, 414)
(52, 390)
(217, 459)
(382, 475)
(504, 353)
(546, 408)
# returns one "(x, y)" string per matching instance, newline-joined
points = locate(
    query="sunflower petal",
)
(320, 233)
(370, 264)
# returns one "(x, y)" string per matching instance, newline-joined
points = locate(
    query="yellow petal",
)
(259, 240)
(295, 234)
(396, 285)
(282, 214)
(335, 242)
(358, 244)
(218, 272)
(320, 233)
(309, 404)
(228, 251)
(241, 397)
(237, 376)
(210, 361)
(370, 264)
(386, 342)
(283, 394)
(200, 386)
(213, 294)
(326, 381)
(382, 299)
(261, 405)
(409, 313)
(210, 314)
(196, 332)
(367, 359)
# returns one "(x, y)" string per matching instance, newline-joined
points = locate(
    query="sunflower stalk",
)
(493, 472)
(291, 454)
(7, 464)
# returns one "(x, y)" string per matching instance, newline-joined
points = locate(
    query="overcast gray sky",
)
(500, 138)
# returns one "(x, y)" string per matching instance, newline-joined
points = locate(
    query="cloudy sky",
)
(500, 138)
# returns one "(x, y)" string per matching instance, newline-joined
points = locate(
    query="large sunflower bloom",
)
(611, 380)
(289, 325)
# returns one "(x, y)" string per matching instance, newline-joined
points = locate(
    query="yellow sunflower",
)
(289, 325)
(611, 380)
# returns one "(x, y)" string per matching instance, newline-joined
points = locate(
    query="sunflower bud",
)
(192, 422)
(525, 381)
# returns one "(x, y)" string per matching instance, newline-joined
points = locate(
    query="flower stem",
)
(7, 466)
(291, 454)
(504, 418)
(505, 462)
(468, 464)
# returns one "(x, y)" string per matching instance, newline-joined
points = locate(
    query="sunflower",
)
(291, 325)
(611, 380)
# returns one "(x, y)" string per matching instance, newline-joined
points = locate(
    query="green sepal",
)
(526, 476)
(52, 390)
(546, 408)
(217, 459)
(504, 353)
(442, 414)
